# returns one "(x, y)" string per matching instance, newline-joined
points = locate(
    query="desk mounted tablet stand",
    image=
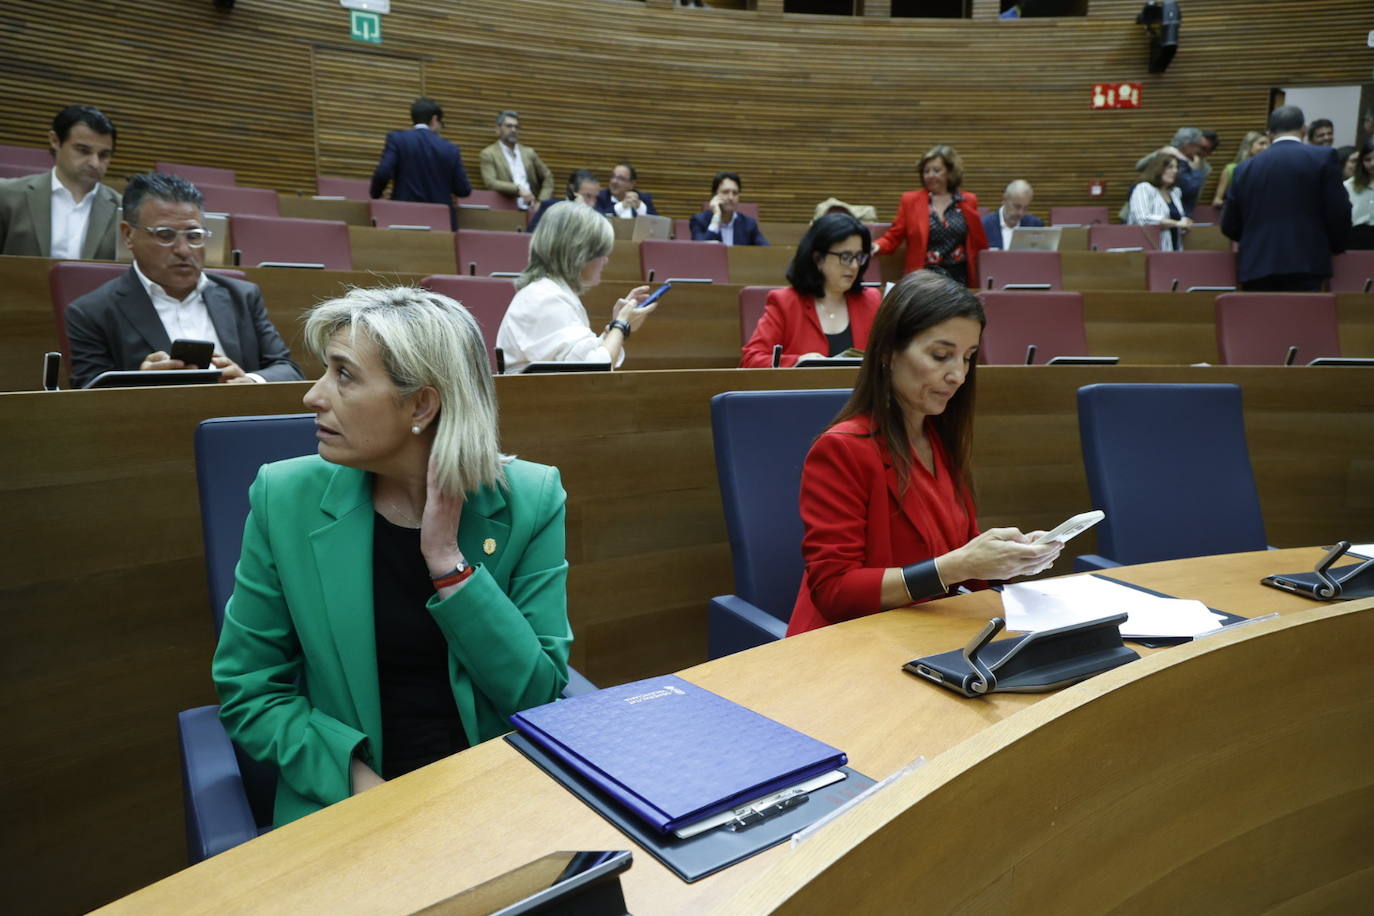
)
(984, 681)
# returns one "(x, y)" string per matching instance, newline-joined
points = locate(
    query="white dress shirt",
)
(625, 212)
(1361, 204)
(516, 163)
(69, 220)
(546, 322)
(1007, 229)
(1147, 208)
(726, 230)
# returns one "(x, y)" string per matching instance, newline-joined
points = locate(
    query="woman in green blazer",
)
(364, 639)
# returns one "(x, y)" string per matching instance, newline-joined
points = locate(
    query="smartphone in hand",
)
(655, 296)
(194, 353)
(1072, 528)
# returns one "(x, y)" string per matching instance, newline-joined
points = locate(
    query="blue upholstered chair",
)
(761, 440)
(228, 795)
(1170, 467)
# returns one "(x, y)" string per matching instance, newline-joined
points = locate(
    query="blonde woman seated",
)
(546, 321)
(404, 591)
(1157, 201)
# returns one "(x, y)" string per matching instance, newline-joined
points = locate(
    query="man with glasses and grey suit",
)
(131, 321)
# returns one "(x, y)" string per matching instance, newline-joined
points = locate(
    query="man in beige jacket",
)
(513, 169)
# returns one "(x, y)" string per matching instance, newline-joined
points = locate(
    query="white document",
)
(1364, 550)
(1049, 603)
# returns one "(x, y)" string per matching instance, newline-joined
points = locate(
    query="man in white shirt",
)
(66, 212)
(999, 225)
(131, 322)
(623, 198)
(515, 170)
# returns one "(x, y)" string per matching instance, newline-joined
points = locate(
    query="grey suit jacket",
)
(496, 172)
(26, 219)
(116, 327)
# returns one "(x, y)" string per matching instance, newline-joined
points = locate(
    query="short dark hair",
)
(804, 274)
(1212, 138)
(634, 173)
(1320, 122)
(1285, 119)
(423, 110)
(921, 300)
(172, 189)
(576, 179)
(93, 118)
(721, 176)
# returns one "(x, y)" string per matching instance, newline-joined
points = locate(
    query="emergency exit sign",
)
(365, 26)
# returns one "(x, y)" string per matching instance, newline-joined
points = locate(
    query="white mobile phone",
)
(1073, 527)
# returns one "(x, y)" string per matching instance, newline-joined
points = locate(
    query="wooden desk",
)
(353, 212)
(471, 817)
(493, 220)
(402, 250)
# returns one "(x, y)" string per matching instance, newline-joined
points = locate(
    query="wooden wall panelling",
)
(360, 94)
(807, 107)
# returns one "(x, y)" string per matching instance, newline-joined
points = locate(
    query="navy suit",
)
(746, 229)
(116, 326)
(992, 226)
(1289, 211)
(423, 166)
(605, 203)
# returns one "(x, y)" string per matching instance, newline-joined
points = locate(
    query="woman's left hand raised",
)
(439, 526)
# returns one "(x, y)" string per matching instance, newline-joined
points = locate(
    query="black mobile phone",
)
(194, 353)
(52, 364)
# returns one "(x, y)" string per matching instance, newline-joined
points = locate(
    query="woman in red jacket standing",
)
(826, 310)
(939, 223)
(886, 494)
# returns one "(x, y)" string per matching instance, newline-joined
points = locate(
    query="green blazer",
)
(296, 666)
(26, 219)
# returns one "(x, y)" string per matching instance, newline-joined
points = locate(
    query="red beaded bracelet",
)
(459, 574)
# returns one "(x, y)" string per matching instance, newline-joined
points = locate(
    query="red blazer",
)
(912, 226)
(790, 319)
(857, 523)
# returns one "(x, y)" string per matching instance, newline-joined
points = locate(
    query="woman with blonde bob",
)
(546, 321)
(404, 591)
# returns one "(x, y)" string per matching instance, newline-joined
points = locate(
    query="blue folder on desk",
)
(673, 752)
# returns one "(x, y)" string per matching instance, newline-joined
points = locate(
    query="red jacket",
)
(912, 226)
(858, 525)
(790, 319)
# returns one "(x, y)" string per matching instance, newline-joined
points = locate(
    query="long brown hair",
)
(920, 301)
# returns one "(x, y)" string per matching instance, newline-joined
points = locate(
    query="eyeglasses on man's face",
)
(167, 236)
(849, 258)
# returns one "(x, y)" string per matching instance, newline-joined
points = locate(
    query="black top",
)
(420, 722)
(948, 236)
(841, 341)
(1175, 215)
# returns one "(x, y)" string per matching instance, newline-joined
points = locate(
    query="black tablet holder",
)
(1327, 584)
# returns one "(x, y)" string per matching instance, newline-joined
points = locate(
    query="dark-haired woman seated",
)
(826, 310)
(886, 495)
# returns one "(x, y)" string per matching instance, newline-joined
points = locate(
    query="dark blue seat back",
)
(761, 440)
(229, 452)
(1170, 467)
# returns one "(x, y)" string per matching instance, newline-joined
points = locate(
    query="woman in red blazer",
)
(886, 496)
(827, 309)
(939, 223)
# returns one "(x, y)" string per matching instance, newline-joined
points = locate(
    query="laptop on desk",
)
(1036, 238)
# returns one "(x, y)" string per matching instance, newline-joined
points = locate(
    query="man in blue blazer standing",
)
(1288, 210)
(420, 164)
(1000, 224)
(721, 221)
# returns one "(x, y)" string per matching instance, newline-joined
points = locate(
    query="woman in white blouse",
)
(1360, 187)
(546, 321)
(1156, 201)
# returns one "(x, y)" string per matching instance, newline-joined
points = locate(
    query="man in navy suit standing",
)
(421, 164)
(721, 221)
(1006, 219)
(1288, 210)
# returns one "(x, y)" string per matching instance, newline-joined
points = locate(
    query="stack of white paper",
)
(1049, 603)
(1364, 550)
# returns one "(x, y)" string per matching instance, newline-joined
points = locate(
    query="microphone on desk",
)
(1291, 357)
(1030, 354)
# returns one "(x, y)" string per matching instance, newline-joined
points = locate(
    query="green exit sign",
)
(365, 26)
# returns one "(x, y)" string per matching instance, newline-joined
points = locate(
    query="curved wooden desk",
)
(1228, 774)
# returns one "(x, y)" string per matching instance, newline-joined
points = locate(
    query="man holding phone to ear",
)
(132, 321)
